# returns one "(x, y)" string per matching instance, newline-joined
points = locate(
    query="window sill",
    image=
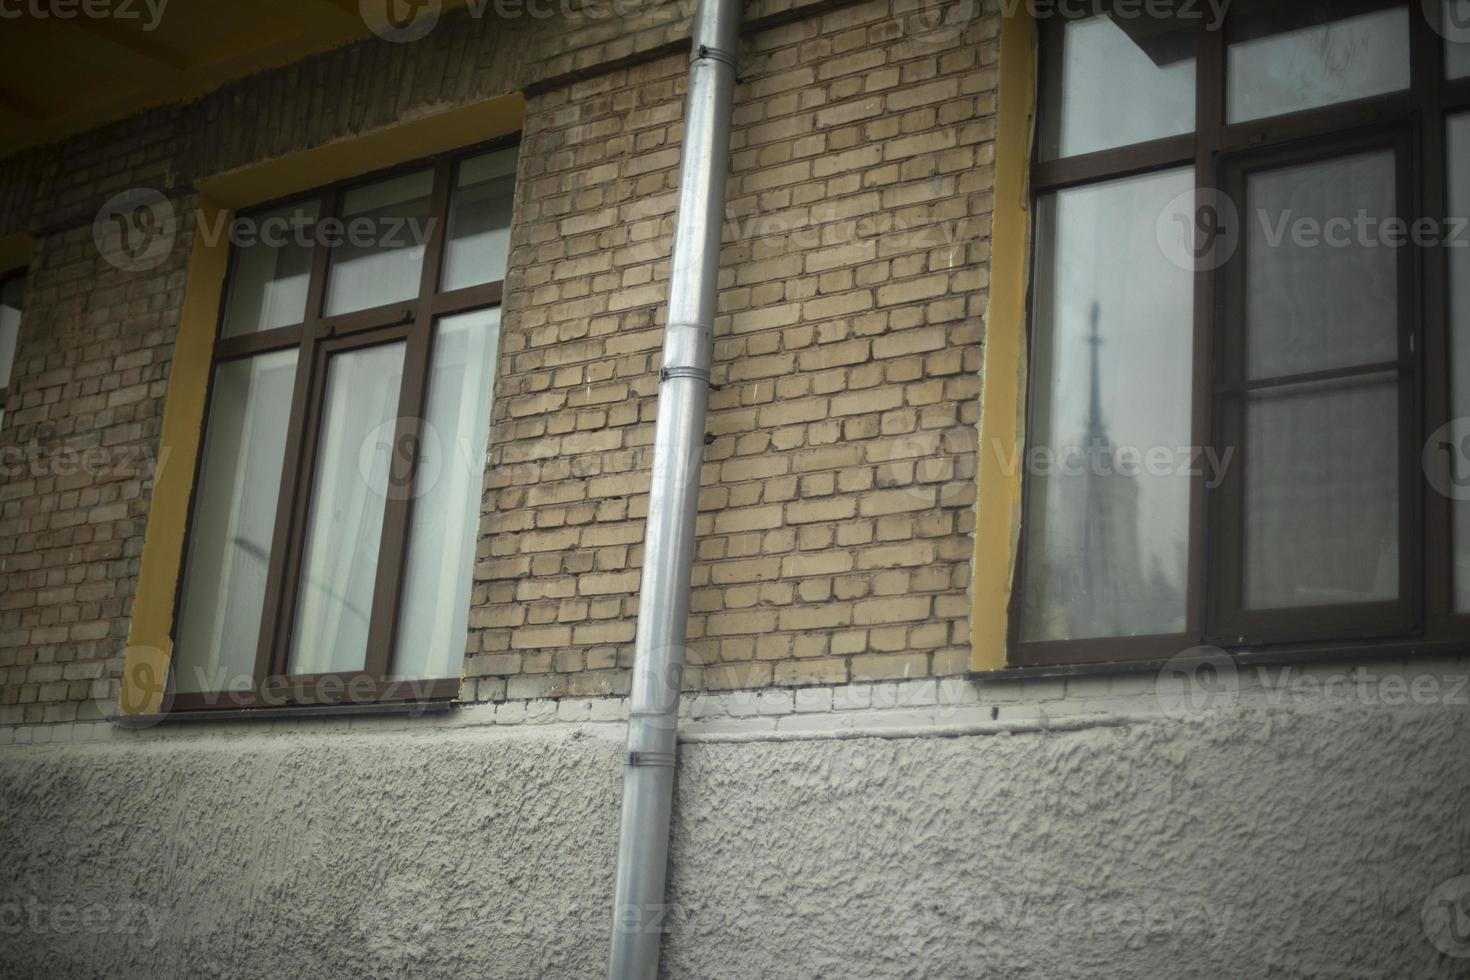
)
(1295, 656)
(269, 714)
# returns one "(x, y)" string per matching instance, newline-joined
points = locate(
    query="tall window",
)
(332, 536)
(12, 293)
(1249, 282)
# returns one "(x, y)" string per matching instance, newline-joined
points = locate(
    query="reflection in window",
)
(1322, 494)
(434, 618)
(345, 523)
(12, 295)
(1456, 28)
(1321, 459)
(1106, 542)
(1322, 62)
(234, 518)
(479, 221)
(268, 279)
(385, 226)
(1321, 287)
(1111, 90)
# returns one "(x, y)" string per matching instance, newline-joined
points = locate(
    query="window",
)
(12, 293)
(337, 502)
(1246, 291)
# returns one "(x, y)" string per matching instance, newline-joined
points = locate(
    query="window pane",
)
(1106, 542)
(345, 520)
(1108, 89)
(382, 251)
(1321, 285)
(1459, 259)
(1456, 28)
(479, 220)
(268, 277)
(234, 517)
(1302, 56)
(12, 299)
(1322, 494)
(443, 532)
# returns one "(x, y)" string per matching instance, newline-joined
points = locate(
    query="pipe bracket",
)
(698, 374)
(705, 52)
(665, 759)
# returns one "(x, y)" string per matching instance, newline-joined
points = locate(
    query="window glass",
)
(1459, 259)
(479, 220)
(233, 522)
(1106, 546)
(434, 617)
(345, 518)
(1321, 282)
(11, 299)
(1456, 28)
(1322, 494)
(268, 276)
(379, 260)
(1111, 89)
(1317, 60)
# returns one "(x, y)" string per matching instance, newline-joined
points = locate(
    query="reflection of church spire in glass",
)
(1097, 429)
(1110, 567)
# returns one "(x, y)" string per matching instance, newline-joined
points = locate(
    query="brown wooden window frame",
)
(1413, 122)
(318, 337)
(5, 279)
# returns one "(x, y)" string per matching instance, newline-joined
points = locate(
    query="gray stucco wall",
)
(1250, 841)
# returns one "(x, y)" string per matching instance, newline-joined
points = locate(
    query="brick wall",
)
(836, 517)
(835, 522)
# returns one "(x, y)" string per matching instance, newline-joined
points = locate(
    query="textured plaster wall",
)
(1245, 843)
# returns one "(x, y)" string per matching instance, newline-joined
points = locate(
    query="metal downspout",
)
(678, 452)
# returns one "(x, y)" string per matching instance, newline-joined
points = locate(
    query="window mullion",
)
(1427, 47)
(1209, 120)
